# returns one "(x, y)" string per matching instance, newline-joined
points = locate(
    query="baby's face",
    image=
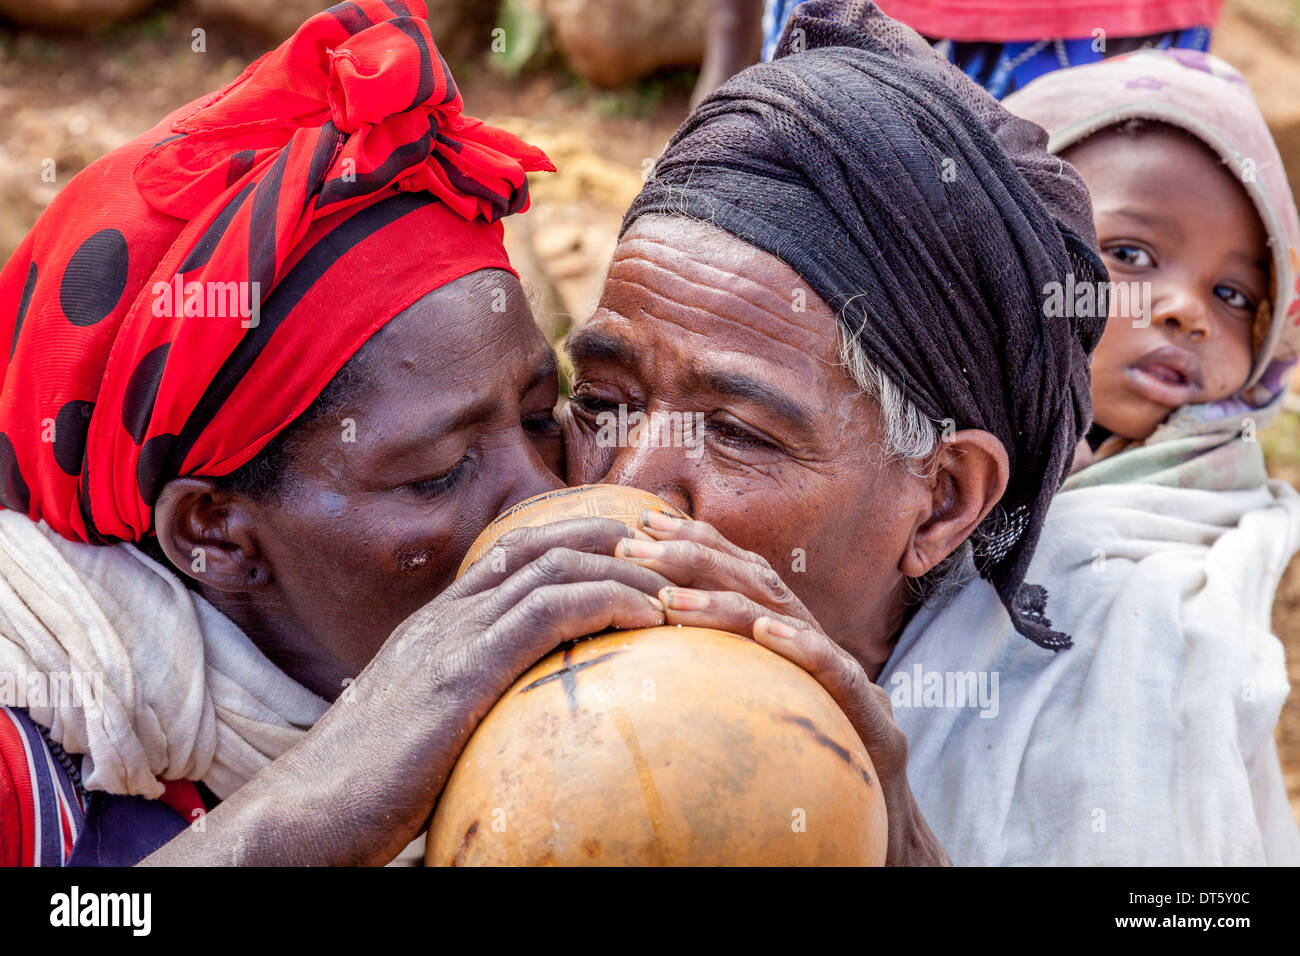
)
(1169, 213)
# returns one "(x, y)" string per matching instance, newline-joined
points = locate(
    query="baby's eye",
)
(1233, 297)
(1134, 256)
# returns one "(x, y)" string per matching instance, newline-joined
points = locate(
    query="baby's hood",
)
(1209, 99)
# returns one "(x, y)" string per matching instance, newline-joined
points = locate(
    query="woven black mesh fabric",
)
(933, 222)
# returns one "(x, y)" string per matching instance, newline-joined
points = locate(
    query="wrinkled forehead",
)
(717, 277)
(694, 314)
(693, 289)
(707, 243)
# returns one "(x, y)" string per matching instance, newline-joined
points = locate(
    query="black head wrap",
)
(933, 222)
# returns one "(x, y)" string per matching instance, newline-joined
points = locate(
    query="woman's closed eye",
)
(590, 403)
(441, 484)
(541, 423)
(729, 432)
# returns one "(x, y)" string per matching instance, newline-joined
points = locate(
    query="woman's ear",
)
(969, 475)
(211, 535)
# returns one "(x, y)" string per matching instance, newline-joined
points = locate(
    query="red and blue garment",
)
(48, 819)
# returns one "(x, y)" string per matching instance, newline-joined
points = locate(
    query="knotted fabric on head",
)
(187, 296)
(933, 222)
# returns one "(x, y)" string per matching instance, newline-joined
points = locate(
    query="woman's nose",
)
(530, 475)
(656, 470)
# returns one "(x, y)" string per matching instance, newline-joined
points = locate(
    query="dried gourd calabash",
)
(658, 746)
(585, 501)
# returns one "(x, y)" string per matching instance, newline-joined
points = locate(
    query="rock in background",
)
(1262, 40)
(611, 42)
(461, 28)
(70, 14)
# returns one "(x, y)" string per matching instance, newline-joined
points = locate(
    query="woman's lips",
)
(1168, 376)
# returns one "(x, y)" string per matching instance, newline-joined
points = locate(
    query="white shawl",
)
(124, 664)
(1151, 740)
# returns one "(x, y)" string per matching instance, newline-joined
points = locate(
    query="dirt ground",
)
(70, 98)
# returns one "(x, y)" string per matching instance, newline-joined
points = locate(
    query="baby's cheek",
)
(1226, 372)
(1119, 345)
(1223, 386)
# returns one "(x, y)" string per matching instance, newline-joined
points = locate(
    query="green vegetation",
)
(523, 36)
(643, 99)
(1281, 444)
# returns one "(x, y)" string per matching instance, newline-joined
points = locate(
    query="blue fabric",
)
(122, 831)
(1003, 68)
(775, 14)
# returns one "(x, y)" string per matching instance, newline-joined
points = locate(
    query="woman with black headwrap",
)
(840, 264)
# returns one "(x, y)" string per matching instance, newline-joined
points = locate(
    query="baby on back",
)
(1150, 739)
(1172, 218)
(1196, 225)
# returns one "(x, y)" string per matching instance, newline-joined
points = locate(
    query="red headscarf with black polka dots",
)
(187, 296)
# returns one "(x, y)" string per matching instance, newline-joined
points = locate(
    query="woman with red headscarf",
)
(276, 343)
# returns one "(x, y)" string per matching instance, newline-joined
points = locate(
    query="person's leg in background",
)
(732, 43)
